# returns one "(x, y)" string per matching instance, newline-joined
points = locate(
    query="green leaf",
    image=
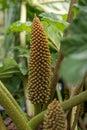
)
(23, 70)
(54, 26)
(3, 5)
(76, 35)
(24, 52)
(74, 47)
(53, 36)
(51, 16)
(54, 19)
(18, 27)
(8, 68)
(57, 7)
(72, 70)
(83, 2)
(13, 82)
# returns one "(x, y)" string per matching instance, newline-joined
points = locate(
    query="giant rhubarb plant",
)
(39, 88)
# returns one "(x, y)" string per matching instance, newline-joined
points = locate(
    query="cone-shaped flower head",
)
(39, 65)
(54, 118)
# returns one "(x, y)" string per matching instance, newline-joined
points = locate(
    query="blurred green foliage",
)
(73, 44)
(74, 47)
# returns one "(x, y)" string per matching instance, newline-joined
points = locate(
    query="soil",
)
(11, 126)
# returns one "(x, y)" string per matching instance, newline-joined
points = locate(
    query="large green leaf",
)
(18, 27)
(57, 7)
(54, 26)
(72, 70)
(24, 52)
(74, 47)
(53, 35)
(54, 19)
(8, 68)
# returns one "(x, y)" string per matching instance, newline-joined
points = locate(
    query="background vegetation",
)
(15, 25)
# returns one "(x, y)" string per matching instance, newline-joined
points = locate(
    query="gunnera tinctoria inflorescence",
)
(54, 119)
(39, 65)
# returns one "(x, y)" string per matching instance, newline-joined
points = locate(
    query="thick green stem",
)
(17, 116)
(8, 94)
(33, 123)
(66, 105)
(2, 125)
(74, 101)
(37, 108)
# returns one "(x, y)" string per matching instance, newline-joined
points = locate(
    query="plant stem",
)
(55, 75)
(78, 99)
(2, 125)
(55, 78)
(23, 33)
(33, 123)
(59, 93)
(31, 109)
(76, 117)
(70, 13)
(29, 105)
(17, 116)
(23, 20)
(73, 119)
(8, 94)
(37, 108)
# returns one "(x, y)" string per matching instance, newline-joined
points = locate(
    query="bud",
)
(54, 118)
